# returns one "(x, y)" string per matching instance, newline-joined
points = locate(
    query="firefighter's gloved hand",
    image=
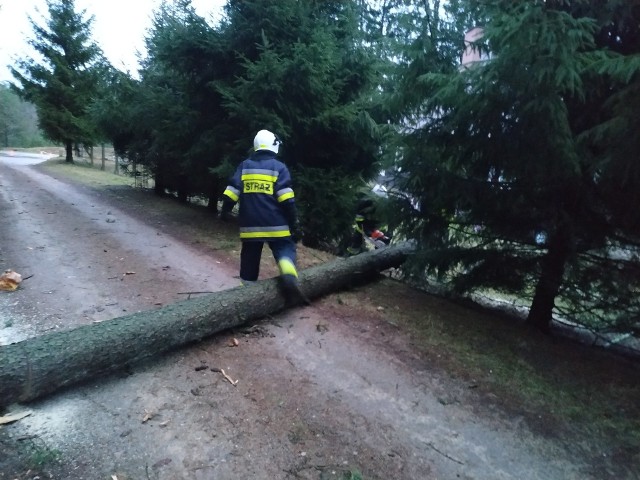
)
(225, 211)
(296, 234)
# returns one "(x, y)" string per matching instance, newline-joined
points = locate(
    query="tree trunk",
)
(69, 151)
(549, 283)
(158, 184)
(38, 366)
(183, 191)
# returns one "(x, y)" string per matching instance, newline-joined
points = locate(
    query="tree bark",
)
(549, 283)
(41, 365)
(159, 184)
(183, 192)
(69, 151)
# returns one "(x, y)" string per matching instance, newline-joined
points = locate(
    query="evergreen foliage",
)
(180, 107)
(63, 83)
(296, 68)
(168, 121)
(522, 166)
(18, 121)
(517, 174)
(305, 75)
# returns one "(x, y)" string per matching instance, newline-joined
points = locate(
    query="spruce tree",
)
(171, 120)
(193, 57)
(303, 72)
(520, 168)
(297, 68)
(63, 83)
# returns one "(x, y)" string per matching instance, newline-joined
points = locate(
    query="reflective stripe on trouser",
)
(287, 267)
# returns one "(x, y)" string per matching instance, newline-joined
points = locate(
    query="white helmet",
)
(265, 140)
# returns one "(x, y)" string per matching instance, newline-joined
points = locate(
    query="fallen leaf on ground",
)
(10, 280)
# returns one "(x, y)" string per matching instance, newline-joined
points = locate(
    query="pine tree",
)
(64, 83)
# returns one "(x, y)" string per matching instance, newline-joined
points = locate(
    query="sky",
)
(119, 27)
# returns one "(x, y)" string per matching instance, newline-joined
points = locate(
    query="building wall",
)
(472, 54)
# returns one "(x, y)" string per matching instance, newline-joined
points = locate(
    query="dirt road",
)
(323, 392)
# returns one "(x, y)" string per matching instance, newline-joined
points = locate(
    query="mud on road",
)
(329, 391)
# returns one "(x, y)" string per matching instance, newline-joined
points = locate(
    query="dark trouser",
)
(282, 248)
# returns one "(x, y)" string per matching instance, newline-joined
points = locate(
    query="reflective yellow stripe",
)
(258, 176)
(276, 234)
(231, 195)
(286, 196)
(287, 267)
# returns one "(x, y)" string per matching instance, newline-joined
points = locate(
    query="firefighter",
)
(267, 212)
(365, 224)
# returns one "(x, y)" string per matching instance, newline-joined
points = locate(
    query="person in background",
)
(366, 224)
(267, 211)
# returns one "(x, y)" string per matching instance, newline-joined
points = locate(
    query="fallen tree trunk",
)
(41, 365)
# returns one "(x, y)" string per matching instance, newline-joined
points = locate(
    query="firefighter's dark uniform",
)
(267, 213)
(363, 224)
